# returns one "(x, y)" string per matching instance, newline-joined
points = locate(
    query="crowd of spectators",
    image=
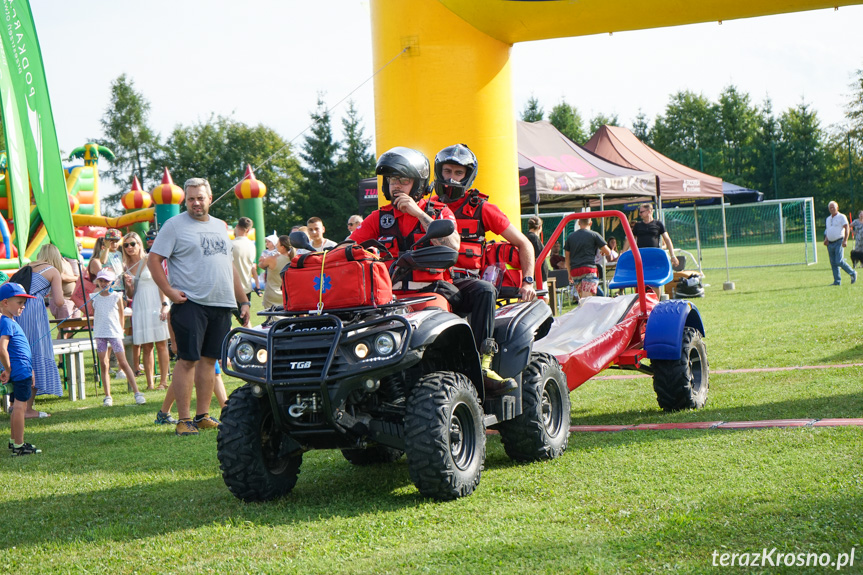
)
(182, 284)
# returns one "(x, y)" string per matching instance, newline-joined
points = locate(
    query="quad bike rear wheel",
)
(683, 383)
(249, 448)
(444, 436)
(542, 430)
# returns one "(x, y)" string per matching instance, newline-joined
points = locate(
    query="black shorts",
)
(199, 330)
(21, 388)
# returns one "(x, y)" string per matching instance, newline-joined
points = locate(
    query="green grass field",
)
(113, 493)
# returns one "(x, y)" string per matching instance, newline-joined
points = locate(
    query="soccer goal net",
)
(769, 233)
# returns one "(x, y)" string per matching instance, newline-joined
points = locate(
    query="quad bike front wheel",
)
(683, 383)
(444, 436)
(249, 448)
(542, 430)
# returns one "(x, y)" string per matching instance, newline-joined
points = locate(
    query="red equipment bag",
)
(470, 250)
(507, 254)
(343, 277)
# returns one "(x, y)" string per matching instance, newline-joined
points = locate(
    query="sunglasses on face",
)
(131, 245)
(400, 181)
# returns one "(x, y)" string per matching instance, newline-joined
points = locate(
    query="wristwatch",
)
(245, 303)
(528, 280)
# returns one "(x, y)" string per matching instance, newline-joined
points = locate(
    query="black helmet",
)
(451, 190)
(408, 163)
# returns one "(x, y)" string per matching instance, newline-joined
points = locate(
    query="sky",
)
(265, 61)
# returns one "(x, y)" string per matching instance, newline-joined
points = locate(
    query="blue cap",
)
(11, 289)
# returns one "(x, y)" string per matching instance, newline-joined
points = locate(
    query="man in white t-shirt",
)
(316, 235)
(836, 238)
(244, 257)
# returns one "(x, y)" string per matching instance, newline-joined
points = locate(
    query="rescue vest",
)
(397, 243)
(469, 225)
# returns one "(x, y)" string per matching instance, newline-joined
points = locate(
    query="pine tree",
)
(766, 138)
(802, 158)
(568, 121)
(533, 112)
(601, 120)
(356, 161)
(320, 193)
(641, 128)
(128, 134)
(854, 109)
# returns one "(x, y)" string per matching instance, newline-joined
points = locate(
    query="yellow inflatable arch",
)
(452, 83)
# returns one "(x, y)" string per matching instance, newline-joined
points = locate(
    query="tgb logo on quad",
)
(301, 364)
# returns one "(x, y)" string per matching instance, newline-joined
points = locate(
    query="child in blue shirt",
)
(15, 359)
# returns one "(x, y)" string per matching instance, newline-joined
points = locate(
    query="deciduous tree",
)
(219, 149)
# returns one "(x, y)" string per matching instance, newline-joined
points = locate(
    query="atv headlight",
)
(361, 350)
(385, 344)
(262, 355)
(245, 352)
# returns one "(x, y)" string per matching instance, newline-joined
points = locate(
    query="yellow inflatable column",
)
(452, 85)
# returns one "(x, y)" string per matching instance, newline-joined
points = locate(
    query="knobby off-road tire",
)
(250, 450)
(542, 430)
(372, 455)
(683, 383)
(444, 436)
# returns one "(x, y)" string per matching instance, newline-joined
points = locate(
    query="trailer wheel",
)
(542, 430)
(444, 436)
(683, 383)
(372, 455)
(249, 448)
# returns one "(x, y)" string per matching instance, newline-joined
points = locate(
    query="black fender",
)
(516, 327)
(663, 336)
(446, 340)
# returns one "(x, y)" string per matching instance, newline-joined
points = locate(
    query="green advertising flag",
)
(37, 122)
(16, 160)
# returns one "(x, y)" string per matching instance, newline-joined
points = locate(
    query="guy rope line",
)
(303, 131)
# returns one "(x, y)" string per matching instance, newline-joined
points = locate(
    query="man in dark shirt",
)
(649, 231)
(581, 246)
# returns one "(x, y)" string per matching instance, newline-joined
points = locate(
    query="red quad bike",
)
(622, 332)
(384, 379)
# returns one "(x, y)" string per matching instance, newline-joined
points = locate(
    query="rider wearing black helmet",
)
(455, 169)
(399, 224)
(405, 180)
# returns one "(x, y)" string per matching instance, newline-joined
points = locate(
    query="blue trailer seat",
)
(657, 269)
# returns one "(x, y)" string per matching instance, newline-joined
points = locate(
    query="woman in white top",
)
(149, 311)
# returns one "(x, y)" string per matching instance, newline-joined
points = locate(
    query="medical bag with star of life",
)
(346, 276)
